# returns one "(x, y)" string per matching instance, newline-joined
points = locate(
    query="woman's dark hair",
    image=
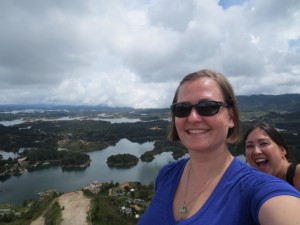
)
(228, 95)
(274, 134)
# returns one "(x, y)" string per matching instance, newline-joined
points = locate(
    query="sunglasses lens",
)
(203, 108)
(182, 109)
(207, 108)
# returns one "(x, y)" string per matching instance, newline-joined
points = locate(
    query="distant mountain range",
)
(284, 102)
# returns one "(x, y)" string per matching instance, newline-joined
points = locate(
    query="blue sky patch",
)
(228, 3)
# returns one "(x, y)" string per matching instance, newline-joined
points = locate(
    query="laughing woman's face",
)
(263, 153)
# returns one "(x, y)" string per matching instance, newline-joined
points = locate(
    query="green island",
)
(122, 160)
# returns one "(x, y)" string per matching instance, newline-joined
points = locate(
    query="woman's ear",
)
(231, 119)
(283, 151)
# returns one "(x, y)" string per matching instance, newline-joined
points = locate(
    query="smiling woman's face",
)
(263, 153)
(201, 133)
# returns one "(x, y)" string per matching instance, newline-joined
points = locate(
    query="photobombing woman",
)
(211, 186)
(267, 151)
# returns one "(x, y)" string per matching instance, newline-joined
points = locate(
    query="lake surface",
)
(16, 189)
(67, 118)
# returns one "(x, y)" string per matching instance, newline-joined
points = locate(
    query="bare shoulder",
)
(297, 177)
(280, 210)
(298, 169)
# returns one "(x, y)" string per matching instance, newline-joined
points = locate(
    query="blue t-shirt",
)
(236, 199)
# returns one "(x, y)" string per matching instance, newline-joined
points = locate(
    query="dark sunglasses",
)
(203, 108)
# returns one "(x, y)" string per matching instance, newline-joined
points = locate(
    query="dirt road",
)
(75, 207)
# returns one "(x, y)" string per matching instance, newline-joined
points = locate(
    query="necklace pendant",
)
(183, 209)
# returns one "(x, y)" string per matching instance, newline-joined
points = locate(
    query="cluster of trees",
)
(105, 209)
(63, 157)
(5, 164)
(122, 160)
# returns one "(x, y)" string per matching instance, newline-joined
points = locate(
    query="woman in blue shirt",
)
(211, 186)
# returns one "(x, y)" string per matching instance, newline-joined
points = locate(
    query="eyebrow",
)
(259, 140)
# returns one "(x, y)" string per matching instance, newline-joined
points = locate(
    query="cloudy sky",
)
(134, 52)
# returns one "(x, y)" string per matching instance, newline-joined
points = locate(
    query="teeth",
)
(197, 131)
(260, 160)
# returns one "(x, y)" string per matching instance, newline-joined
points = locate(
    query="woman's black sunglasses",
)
(203, 108)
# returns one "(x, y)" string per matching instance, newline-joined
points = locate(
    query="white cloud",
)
(134, 53)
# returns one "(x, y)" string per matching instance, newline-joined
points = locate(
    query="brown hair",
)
(229, 97)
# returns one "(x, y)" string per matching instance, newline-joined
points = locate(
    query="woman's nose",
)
(257, 149)
(194, 115)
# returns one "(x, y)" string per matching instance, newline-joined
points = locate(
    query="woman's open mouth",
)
(261, 162)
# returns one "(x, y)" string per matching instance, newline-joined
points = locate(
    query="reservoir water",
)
(16, 189)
